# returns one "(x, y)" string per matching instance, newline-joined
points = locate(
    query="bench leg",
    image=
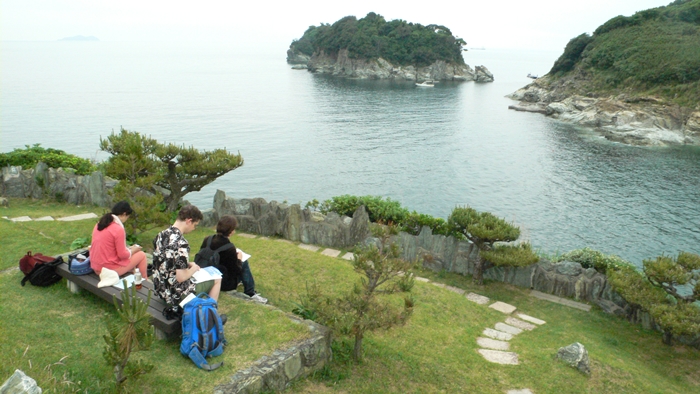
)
(161, 335)
(73, 287)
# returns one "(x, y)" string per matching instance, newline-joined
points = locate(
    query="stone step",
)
(312, 248)
(73, 218)
(503, 307)
(531, 319)
(348, 256)
(479, 299)
(492, 344)
(499, 357)
(495, 334)
(331, 252)
(519, 323)
(508, 328)
(246, 235)
(521, 391)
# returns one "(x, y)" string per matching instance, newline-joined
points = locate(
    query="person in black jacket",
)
(233, 270)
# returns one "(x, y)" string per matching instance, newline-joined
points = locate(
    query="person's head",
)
(227, 224)
(122, 210)
(188, 218)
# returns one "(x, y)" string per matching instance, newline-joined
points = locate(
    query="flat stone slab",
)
(521, 391)
(519, 323)
(495, 334)
(492, 344)
(83, 216)
(284, 240)
(479, 299)
(265, 238)
(331, 252)
(456, 290)
(559, 300)
(21, 219)
(44, 219)
(424, 280)
(246, 235)
(531, 319)
(312, 248)
(348, 256)
(503, 307)
(499, 357)
(508, 328)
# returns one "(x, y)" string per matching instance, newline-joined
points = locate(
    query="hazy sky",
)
(534, 24)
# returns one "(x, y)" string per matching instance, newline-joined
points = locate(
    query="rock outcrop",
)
(297, 58)
(342, 65)
(621, 118)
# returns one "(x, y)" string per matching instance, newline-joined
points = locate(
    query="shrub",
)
(415, 221)
(380, 210)
(54, 158)
(589, 258)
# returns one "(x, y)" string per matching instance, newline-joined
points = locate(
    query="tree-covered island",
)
(371, 47)
(636, 78)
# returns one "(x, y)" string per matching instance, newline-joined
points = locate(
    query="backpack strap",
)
(223, 248)
(196, 356)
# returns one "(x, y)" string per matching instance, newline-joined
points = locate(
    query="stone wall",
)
(61, 184)
(436, 252)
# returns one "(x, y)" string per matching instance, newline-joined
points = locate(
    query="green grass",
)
(434, 352)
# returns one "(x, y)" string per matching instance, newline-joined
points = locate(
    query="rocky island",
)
(373, 48)
(636, 79)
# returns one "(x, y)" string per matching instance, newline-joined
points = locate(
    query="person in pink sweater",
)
(109, 248)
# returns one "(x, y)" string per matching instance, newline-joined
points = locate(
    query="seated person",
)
(233, 270)
(109, 250)
(172, 272)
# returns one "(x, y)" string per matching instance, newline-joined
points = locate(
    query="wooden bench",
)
(164, 328)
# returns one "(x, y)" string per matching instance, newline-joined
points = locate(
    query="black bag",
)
(206, 257)
(44, 274)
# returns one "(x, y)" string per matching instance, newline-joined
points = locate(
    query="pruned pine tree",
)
(484, 230)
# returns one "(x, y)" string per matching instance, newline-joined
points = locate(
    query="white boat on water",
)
(426, 84)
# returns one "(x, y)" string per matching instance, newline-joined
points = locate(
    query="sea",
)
(305, 136)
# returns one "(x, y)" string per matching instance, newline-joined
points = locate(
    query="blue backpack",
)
(202, 332)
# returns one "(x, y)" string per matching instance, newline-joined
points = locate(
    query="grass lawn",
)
(434, 352)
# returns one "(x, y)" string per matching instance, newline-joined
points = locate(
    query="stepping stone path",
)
(73, 218)
(331, 253)
(494, 348)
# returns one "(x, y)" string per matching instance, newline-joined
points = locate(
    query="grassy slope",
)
(434, 352)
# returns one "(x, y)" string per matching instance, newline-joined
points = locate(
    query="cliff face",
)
(343, 66)
(631, 120)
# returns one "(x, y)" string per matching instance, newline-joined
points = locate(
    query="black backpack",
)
(44, 274)
(206, 257)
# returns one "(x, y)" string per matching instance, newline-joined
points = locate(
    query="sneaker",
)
(258, 298)
(223, 318)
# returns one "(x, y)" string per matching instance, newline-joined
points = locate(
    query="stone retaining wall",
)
(64, 185)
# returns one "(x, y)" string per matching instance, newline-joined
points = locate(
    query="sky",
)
(534, 24)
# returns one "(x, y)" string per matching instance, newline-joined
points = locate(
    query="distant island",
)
(636, 79)
(80, 38)
(373, 48)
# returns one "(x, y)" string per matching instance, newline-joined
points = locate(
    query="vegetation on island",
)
(372, 37)
(655, 52)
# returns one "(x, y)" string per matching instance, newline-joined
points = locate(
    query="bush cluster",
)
(54, 158)
(371, 37)
(589, 258)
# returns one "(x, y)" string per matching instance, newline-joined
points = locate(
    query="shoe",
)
(258, 298)
(223, 318)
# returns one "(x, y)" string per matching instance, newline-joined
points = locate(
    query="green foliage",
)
(414, 222)
(653, 52)
(54, 158)
(656, 291)
(380, 210)
(372, 37)
(80, 243)
(485, 229)
(589, 258)
(134, 333)
(361, 310)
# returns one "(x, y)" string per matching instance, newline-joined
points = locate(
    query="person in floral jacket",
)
(172, 270)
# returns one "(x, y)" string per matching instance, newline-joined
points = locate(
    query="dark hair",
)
(226, 225)
(190, 212)
(119, 208)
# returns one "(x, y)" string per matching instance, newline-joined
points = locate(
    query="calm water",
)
(305, 136)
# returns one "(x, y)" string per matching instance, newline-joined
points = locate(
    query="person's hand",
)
(135, 248)
(193, 265)
(240, 255)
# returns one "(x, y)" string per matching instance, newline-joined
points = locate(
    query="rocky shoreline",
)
(645, 121)
(341, 65)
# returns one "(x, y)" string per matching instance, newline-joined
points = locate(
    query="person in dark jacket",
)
(233, 269)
